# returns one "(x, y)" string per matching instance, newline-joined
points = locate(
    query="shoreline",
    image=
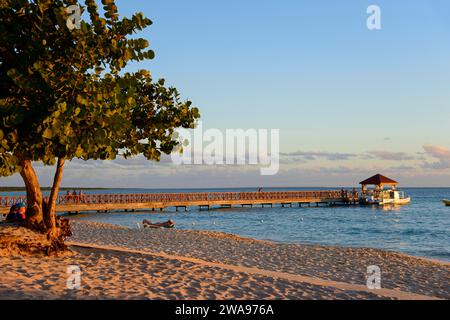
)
(123, 263)
(238, 237)
(428, 259)
(244, 237)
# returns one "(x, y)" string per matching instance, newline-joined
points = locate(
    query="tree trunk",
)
(50, 215)
(41, 216)
(35, 201)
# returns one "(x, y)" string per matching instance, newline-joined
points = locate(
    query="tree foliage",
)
(65, 94)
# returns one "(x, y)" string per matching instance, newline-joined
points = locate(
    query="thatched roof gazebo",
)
(379, 181)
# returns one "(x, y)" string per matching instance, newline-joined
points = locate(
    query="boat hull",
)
(399, 202)
(168, 224)
(446, 202)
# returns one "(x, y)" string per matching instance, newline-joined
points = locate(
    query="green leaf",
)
(79, 152)
(48, 134)
(68, 97)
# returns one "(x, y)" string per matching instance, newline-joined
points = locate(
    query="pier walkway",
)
(203, 200)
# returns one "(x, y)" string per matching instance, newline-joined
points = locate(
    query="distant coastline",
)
(19, 189)
(15, 189)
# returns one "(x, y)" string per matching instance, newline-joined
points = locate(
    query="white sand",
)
(121, 263)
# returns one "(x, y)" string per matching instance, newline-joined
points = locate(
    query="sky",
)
(349, 102)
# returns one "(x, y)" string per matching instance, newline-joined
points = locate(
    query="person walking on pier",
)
(75, 196)
(82, 196)
(355, 194)
(68, 196)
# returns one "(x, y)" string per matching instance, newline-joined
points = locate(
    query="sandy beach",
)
(122, 263)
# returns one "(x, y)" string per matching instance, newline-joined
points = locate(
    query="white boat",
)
(446, 202)
(386, 197)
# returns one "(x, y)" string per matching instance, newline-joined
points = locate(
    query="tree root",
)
(26, 238)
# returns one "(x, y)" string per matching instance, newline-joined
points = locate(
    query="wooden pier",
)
(208, 200)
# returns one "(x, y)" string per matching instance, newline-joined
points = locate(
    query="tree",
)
(64, 94)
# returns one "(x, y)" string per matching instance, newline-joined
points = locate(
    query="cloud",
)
(429, 167)
(440, 153)
(331, 156)
(390, 156)
(403, 168)
(336, 156)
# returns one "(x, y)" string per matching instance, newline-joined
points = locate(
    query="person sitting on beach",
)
(12, 213)
(21, 213)
(17, 212)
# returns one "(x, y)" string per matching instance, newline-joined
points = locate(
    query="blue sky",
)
(312, 69)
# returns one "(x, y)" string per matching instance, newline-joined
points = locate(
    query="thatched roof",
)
(378, 179)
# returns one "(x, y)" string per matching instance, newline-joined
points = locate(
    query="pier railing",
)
(167, 198)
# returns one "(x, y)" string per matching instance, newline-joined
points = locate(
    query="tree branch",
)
(50, 216)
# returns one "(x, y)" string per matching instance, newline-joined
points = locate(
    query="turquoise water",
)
(421, 228)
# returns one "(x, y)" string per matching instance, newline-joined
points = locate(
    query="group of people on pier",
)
(74, 197)
(354, 194)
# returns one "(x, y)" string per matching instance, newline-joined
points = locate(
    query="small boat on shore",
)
(446, 202)
(158, 225)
